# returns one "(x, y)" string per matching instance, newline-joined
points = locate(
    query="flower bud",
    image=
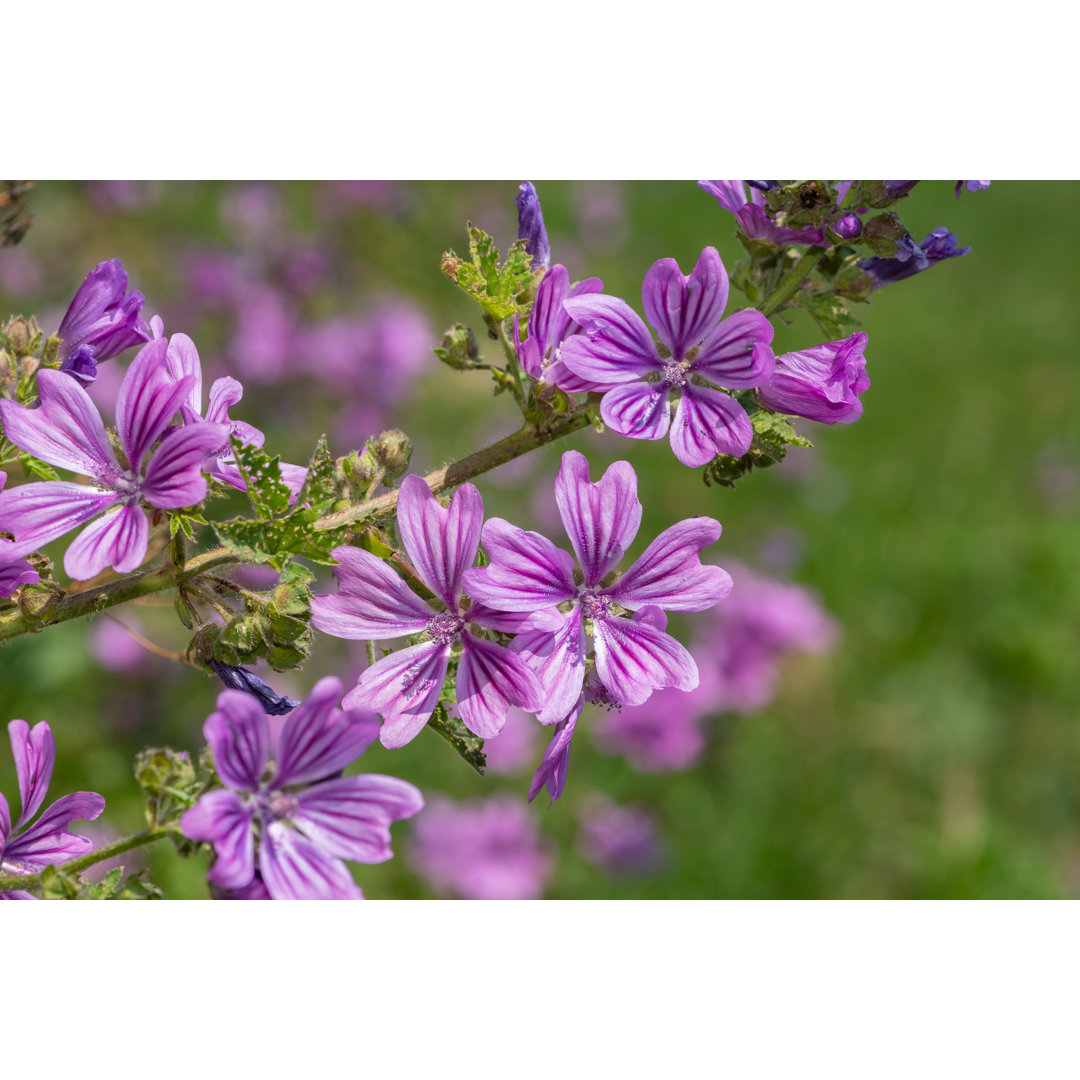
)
(19, 336)
(531, 226)
(393, 450)
(822, 383)
(848, 227)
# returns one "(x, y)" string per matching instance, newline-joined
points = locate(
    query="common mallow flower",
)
(286, 814)
(531, 226)
(619, 839)
(822, 383)
(549, 326)
(913, 258)
(374, 604)
(102, 321)
(28, 849)
(696, 352)
(13, 570)
(65, 429)
(633, 657)
(752, 214)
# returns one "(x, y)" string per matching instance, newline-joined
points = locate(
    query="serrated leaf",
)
(501, 290)
(32, 466)
(268, 493)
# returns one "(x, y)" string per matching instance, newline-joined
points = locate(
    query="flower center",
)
(123, 483)
(445, 628)
(593, 605)
(675, 373)
(282, 806)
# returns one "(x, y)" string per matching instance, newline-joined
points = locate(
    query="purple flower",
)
(971, 185)
(27, 848)
(13, 571)
(619, 839)
(65, 429)
(913, 258)
(760, 624)
(822, 383)
(531, 226)
(752, 215)
(305, 816)
(102, 321)
(489, 849)
(633, 657)
(373, 603)
(663, 735)
(514, 747)
(849, 227)
(549, 327)
(695, 351)
(551, 773)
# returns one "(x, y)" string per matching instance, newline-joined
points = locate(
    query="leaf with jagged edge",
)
(501, 290)
(268, 493)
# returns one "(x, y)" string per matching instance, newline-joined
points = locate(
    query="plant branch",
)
(790, 283)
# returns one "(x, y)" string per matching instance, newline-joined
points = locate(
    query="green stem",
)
(790, 284)
(117, 847)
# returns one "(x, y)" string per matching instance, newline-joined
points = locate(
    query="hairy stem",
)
(790, 283)
(117, 847)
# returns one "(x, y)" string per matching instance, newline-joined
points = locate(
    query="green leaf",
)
(773, 434)
(268, 493)
(32, 466)
(501, 290)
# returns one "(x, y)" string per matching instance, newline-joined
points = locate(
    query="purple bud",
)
(896, 188)
(822, 383)
(764, 185)
(103, 315)
(971, 185)
(531, 226)
(912, 258)
(81, 365)
(849, 227)
(239, 678)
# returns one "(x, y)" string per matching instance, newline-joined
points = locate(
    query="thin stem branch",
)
(790, 283)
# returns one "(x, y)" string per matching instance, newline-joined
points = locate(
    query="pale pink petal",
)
(174, 476)
(239, 736)
(38, 513)
(222, 818)
(709, 422)
(633, 659)
(295, 869)
(615, 346)
(34, 750)
(527, 571)
(684, 309)
(638, 411)
(118, 539)
(149, 398)
(490, 679)
(736, 353)
(559, 659)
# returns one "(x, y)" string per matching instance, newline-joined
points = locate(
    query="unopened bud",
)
(393, 450)
(848, 227)
(19, 336)
(460, 349)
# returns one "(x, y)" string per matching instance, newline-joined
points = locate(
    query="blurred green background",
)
(935, 752)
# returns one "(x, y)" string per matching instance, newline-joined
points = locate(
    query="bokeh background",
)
(890, 702)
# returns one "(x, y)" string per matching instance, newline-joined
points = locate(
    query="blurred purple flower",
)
(822, 383)
(21, 272)
(913, 258)
(65, 429)
(619, 839)
(531, 226)
(252, 211)
(101, 321)
(761, 622)
(374, 603)
(616, 351)
(663, 735)
(27, 848)
(123, 196)
(528, 574)
(306, 816)
(752, 215)
(971, 185)
(514, 748)
(489, 849)
(114, 648)
(263, 341)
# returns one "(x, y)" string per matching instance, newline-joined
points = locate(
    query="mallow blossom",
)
(549, 327)
(912, 258)
(822, 383)
(375, 604)
(102, 321)
(14, 571)
(65, 429)
(28, 849)
(695, 354)
(633, 656)
(286, 816)
(752, 213)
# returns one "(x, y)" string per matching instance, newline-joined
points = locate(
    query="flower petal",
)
(14, 574)
(527, 571)
(181, 362)
(669, 572)
(735, 353)
(118, 540)
(372, 603)
(38, 513)
(404, 688)
(222, 818)
(559, 659)
(551, 773)
(490, 678)
(149, 398)
(638, 411)
(239, 736)
(614, 347)
(295, 869)
(34, 751)
(47, 841)
(174, 476)
(684, 309)
(730, 194)
(441, 542)
(65, 429)
(601, 519)
(318, 739)
(709, 422)
(349, 817)
(633, 659)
